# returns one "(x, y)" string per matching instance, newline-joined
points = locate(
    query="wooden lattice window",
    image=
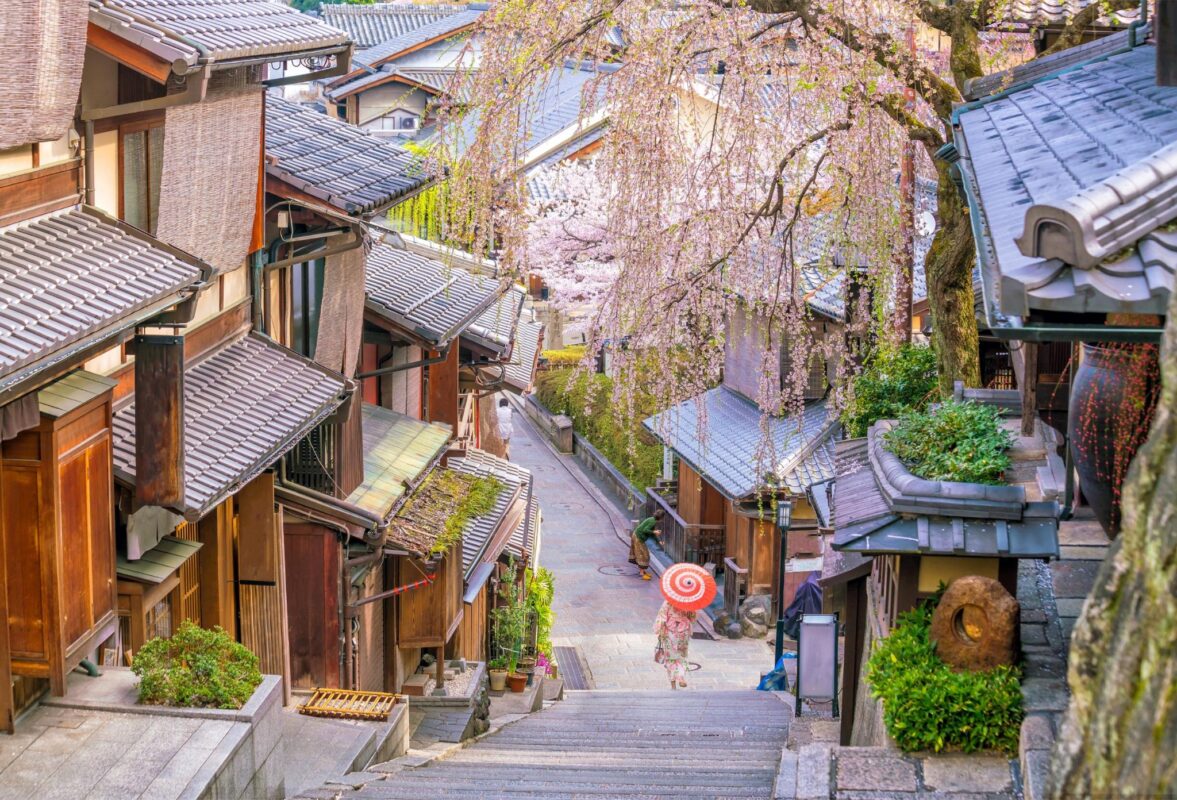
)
(188, 593)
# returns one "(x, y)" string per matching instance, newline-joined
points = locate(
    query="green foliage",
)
(509, 619)
(313, 5)
(196, 668)
(587, 398)
(481, 494)
(569, 356)
(896, 379)
(541, 588)
(927, 706)
(498, 662)
(953, 442)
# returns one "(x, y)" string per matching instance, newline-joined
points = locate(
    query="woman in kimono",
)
(673, 628)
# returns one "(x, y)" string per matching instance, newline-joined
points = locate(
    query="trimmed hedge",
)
(587, 398)
(953, 442)
(196, 668)
(927, 706)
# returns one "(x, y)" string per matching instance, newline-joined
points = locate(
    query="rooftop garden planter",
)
(954, 441)
(196, 668)
(1112, 403)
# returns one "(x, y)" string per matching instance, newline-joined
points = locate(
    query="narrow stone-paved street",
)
(610, 616)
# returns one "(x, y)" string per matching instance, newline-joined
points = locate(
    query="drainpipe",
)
(88, 162)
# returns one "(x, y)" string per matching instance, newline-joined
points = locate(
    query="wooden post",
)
(7, 703)
(856, 622)
(441, 667)
(159, 420)
(218, 601)
(257, 538)
(1029, 387)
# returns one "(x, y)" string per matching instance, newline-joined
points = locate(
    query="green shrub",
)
(953, 442)
(927, 706)
(587, 398)
(896, 379)
(196, 668)
(541, 587)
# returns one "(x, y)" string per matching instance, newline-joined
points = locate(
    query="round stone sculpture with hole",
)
(975, 627)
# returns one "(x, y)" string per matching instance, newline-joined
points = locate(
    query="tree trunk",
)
(1120, 732)
(949, 269)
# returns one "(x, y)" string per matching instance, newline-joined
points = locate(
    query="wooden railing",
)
(683, 541)
(735, 587)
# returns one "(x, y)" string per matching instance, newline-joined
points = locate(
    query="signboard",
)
(817, 659)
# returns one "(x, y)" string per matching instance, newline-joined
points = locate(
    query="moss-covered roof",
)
(433, 518)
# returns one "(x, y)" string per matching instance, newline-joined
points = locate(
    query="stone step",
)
(410, 785)
(566, 775)
(728, 763)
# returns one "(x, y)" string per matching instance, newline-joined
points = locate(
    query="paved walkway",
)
(610, 616)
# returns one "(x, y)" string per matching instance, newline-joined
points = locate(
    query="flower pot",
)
(517, 682)
(498, 680)
(554, 670)
(1112, 402)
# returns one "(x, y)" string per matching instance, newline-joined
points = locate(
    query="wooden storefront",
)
(58, 533)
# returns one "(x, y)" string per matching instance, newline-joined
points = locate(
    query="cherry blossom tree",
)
(568, 240)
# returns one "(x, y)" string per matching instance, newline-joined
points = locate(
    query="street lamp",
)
(784, 517)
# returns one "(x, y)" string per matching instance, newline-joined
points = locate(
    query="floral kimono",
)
(673, 628)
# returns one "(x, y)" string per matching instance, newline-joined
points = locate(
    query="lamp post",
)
(784, 517)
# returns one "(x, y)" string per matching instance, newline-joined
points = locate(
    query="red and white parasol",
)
(688, 587)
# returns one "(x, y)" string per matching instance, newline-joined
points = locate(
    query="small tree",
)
(509, 619)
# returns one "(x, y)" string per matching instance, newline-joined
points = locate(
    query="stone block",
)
(1036, 775)
(1044, 694)
(975, 625)
(414, 685)
(967, 773)
(875, 773)
(1069, 607)
(1037, 733)
(1033, 634)
(269, 782)
(813, 772)
(785, 785)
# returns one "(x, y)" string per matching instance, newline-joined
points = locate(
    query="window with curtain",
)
(307, 291)
(141, 161)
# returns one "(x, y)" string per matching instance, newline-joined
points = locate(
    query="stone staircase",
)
(608, 744)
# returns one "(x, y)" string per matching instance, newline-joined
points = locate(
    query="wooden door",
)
(313, 569)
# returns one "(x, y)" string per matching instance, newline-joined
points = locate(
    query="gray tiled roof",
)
(524, 355)
(1058, 12)
(224, 29)
(495, 328)
(985, 85)
(479, 530)
(245, 405)
(67, 277)
(1055, 143)
(437, 82)
(369, 25)
(339, 163)
(523, 539)
(730, 450)
(448, 25)
(425, 297)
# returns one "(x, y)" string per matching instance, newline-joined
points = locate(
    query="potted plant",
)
(517, 681)
(510, 624)
(498, 674)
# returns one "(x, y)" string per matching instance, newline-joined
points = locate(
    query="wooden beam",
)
(1029, 387)
(159, 420)
(1166, 39)
(7, 702)
(126, 53)
(257, 544)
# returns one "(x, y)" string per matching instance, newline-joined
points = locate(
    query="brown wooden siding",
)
(471, 638)
(443, 401)
(369, 658)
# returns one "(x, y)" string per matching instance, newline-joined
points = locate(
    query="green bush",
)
(953, 442)
(587, 398)
(196, 668)
(927, 706)
(541, 588)
(896, 379)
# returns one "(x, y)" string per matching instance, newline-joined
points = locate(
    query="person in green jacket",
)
(639, 552)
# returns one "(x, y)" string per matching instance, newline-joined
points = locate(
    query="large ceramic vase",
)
(1112, 402)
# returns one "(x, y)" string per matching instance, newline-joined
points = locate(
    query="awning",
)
(730, 451)
(426, 299)
(158, 563)
(215, 31)
(398, 450)
(71, 281)
(344, 166)
(529, 339)
(485, 538)
(496, 328)
(245, 406)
